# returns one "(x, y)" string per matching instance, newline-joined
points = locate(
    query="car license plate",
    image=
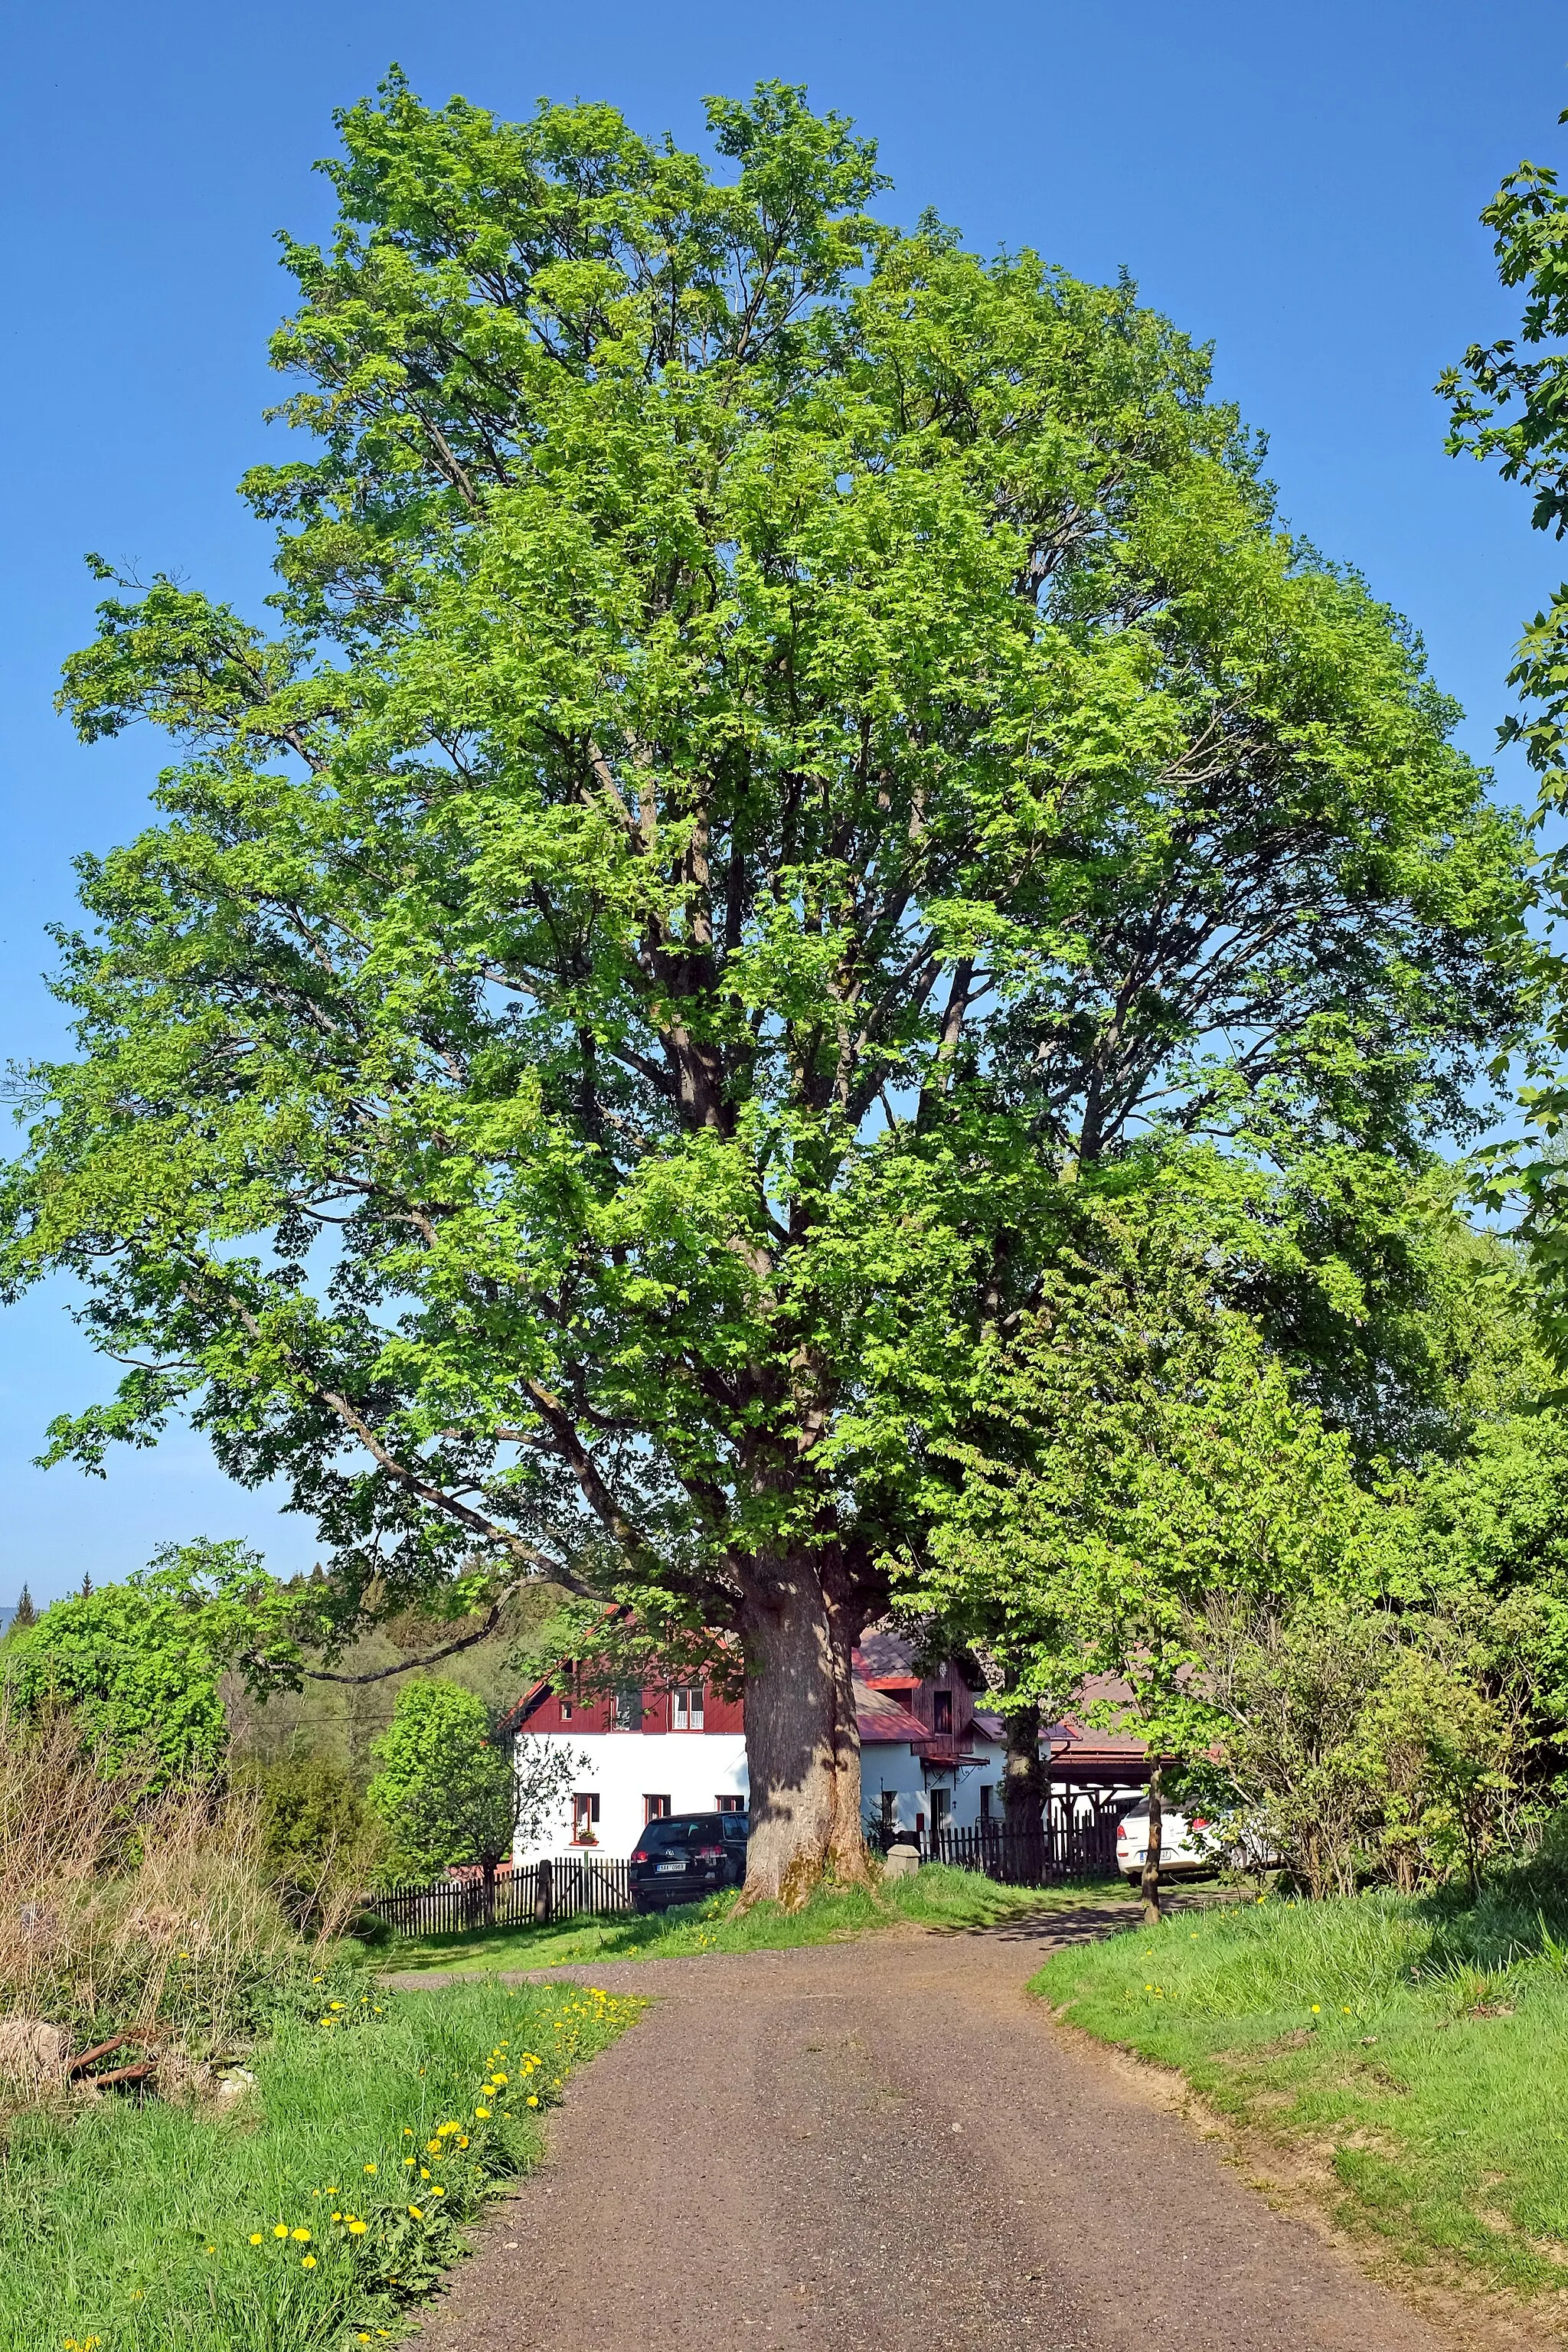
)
(671, 1865)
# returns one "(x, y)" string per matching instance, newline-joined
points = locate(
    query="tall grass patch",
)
(318, 2209)
(129, 1907)
(1416, 2048)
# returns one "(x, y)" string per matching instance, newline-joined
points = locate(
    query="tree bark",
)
(1150, 1886)
(489, 1868)
(803, 1741)
(1026, 1785)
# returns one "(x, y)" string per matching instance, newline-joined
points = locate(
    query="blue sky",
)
(1298, 184)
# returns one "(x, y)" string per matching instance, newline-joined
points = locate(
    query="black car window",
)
(734, 1828)
(664, 1832)
(705, 1830)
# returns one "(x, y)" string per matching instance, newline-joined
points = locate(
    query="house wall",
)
(693, 1769)
(898, 1770)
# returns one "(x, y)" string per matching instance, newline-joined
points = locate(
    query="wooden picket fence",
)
(575, 1887)
(1061, 1848)
(565, 1886)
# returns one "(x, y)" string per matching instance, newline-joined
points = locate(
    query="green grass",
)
(933, 1897)
(133, 2225)
(1419, 2047)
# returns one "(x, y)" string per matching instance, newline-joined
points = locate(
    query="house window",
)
(988, 1797)
(941, 1809)
(889, 1806)
(586, 1817)
(655, 1809)
(568, 1687)
(942, 1710)
(687, 1708)
(628, 1707)
(731, 1804)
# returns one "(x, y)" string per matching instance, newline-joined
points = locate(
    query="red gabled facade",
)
(546, 1708)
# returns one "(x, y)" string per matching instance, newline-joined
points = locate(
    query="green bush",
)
(311, 1813)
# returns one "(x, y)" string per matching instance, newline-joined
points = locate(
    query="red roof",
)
(883, 1721)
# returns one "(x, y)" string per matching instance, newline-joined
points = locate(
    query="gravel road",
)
(885, 2146)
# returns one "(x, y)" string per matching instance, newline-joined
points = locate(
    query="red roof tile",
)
(882, 1720)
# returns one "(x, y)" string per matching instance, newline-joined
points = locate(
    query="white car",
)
(1184, 1848)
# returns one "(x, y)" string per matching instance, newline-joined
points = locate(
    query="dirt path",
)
(884, 2147)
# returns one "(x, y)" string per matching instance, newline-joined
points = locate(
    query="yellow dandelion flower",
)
(437, 2190)
(307, 2262)
(358, 2228)
(533, 2098)
(256, 2237)
(303, 2236)
(417, 2212)
(370, 2168)
(482, 2113)
(280, 2230)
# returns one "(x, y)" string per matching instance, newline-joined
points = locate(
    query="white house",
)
(929, 1756)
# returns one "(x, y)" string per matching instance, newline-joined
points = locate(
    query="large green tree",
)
(779, 741)
(1510, 403)
(450, 1790)
(1134, 1458)
(138, 1665)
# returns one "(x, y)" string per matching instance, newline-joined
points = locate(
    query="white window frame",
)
(686, 1707)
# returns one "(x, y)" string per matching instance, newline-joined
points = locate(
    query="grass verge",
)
(310, 2216)
(1415, 2049)
(933, 1897)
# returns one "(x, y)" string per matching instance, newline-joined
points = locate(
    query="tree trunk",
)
(1150, 1887)
(489, 1868)
(803, 1741)
(1026, 1785)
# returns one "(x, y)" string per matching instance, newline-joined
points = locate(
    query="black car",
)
(685, 1856)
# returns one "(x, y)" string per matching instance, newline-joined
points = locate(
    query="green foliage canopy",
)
(780, 739)
(137, 1665)
(446, 1789)
(1137, 1454)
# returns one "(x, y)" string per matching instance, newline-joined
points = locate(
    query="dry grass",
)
(152, 1915)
